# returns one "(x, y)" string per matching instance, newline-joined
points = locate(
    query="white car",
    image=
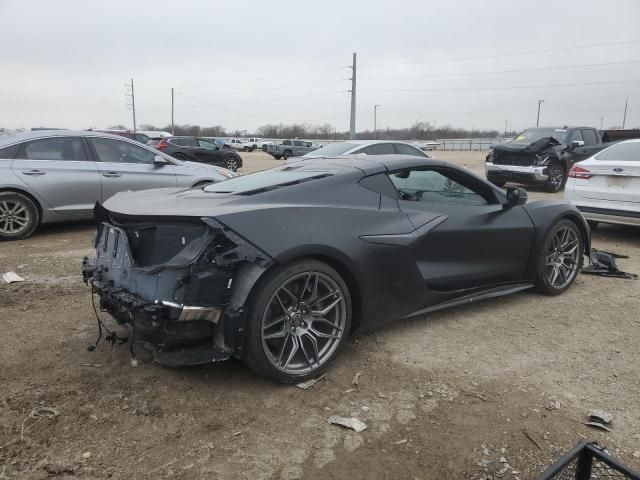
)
(365, 147)
(606, 186)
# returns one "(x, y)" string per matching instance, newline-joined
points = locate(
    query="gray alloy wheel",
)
(18, 216)
(303, 323)
(286, 154)
(231, 163)
(556, 179)
(299, 318)
(560, 258)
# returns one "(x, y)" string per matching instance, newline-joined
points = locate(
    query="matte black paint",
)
(397, 257)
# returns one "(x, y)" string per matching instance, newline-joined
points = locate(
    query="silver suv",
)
(59, 175)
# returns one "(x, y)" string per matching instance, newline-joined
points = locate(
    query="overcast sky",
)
(242, 64)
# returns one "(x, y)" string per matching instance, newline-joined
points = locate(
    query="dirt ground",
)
(444, 395)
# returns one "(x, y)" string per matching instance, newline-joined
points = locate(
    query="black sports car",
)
(196, 149)
(278, 267)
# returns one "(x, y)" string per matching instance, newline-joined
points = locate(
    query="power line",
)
(516, 87)
(514, 54)
(507, 109)
(562, 67)
(257, 115)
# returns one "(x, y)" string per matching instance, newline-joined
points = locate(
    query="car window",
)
(404, 149)
(58, 148)
(624, 152)
(9, 152)
(287, 142)
(378, 149)
(205, 144)
(109, 150)
(589, 137)
(431, 186)
(576, 135)
(141, 137)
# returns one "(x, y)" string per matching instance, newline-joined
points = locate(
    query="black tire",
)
(593, 224)
(19, 216)
(556, 179)
(544, 276)
(231, 163)
(246, 149)
(261, 305)
(277, 157)
(286, 154)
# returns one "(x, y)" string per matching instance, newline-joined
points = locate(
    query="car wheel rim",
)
(555, 178)
(14, 217)
(232, 165)
(303, 323)
(561, 261)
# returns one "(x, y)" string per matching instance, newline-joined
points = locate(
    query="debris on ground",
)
(533, 440)
(600, 419)
(12, 277)
(235, 434)
(310, 383)
(600, 416)
(604, 264)
(400, 442)
(352, 423)
(356, 377)
(97, 365)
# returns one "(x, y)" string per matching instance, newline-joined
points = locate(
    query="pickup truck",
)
(290, 148)
(542, 156)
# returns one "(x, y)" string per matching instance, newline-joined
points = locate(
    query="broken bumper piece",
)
(180, 288)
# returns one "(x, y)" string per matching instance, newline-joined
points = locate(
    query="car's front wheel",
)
(560, 258)
(231, 163)
(299, 318)
(19, 216)
(555, 179)
(286, 154)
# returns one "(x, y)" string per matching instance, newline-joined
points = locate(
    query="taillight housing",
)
(162, 144)
(579, 172)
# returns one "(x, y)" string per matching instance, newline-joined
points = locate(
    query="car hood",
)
(533, 147)
(181, 202)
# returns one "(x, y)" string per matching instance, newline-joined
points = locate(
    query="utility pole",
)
(375, 121)
(540, 102)
(601, 122)
(352, 126)
(133, 102)
(624, 119)
(172, 126)
(506, 123)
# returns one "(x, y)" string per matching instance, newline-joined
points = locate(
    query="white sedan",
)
(606, 186)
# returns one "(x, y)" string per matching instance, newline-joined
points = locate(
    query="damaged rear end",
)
(179, 284)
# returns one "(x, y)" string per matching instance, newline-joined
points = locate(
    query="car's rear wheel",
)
(246, 149)
(299, 318)
(555, 181)
(560, 258)
(19, 216)
(231, 163)
(277, 157)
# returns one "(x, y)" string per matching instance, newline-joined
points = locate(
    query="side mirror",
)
(516, 196)
(577, 143)
(159, 161)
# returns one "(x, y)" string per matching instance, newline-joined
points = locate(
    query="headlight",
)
(226, 173)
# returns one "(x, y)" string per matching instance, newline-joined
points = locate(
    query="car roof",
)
(372, 142)
(369, 164)
(11, 138)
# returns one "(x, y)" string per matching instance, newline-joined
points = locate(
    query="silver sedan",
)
(59, 175)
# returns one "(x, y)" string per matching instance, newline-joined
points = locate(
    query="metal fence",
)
(587, 461)
(468, 143)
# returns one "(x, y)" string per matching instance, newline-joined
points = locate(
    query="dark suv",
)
(196, 149)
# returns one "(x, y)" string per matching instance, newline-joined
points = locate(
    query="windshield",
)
(623, 152)
(332, 149)
(265, 179)
(534, 134)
